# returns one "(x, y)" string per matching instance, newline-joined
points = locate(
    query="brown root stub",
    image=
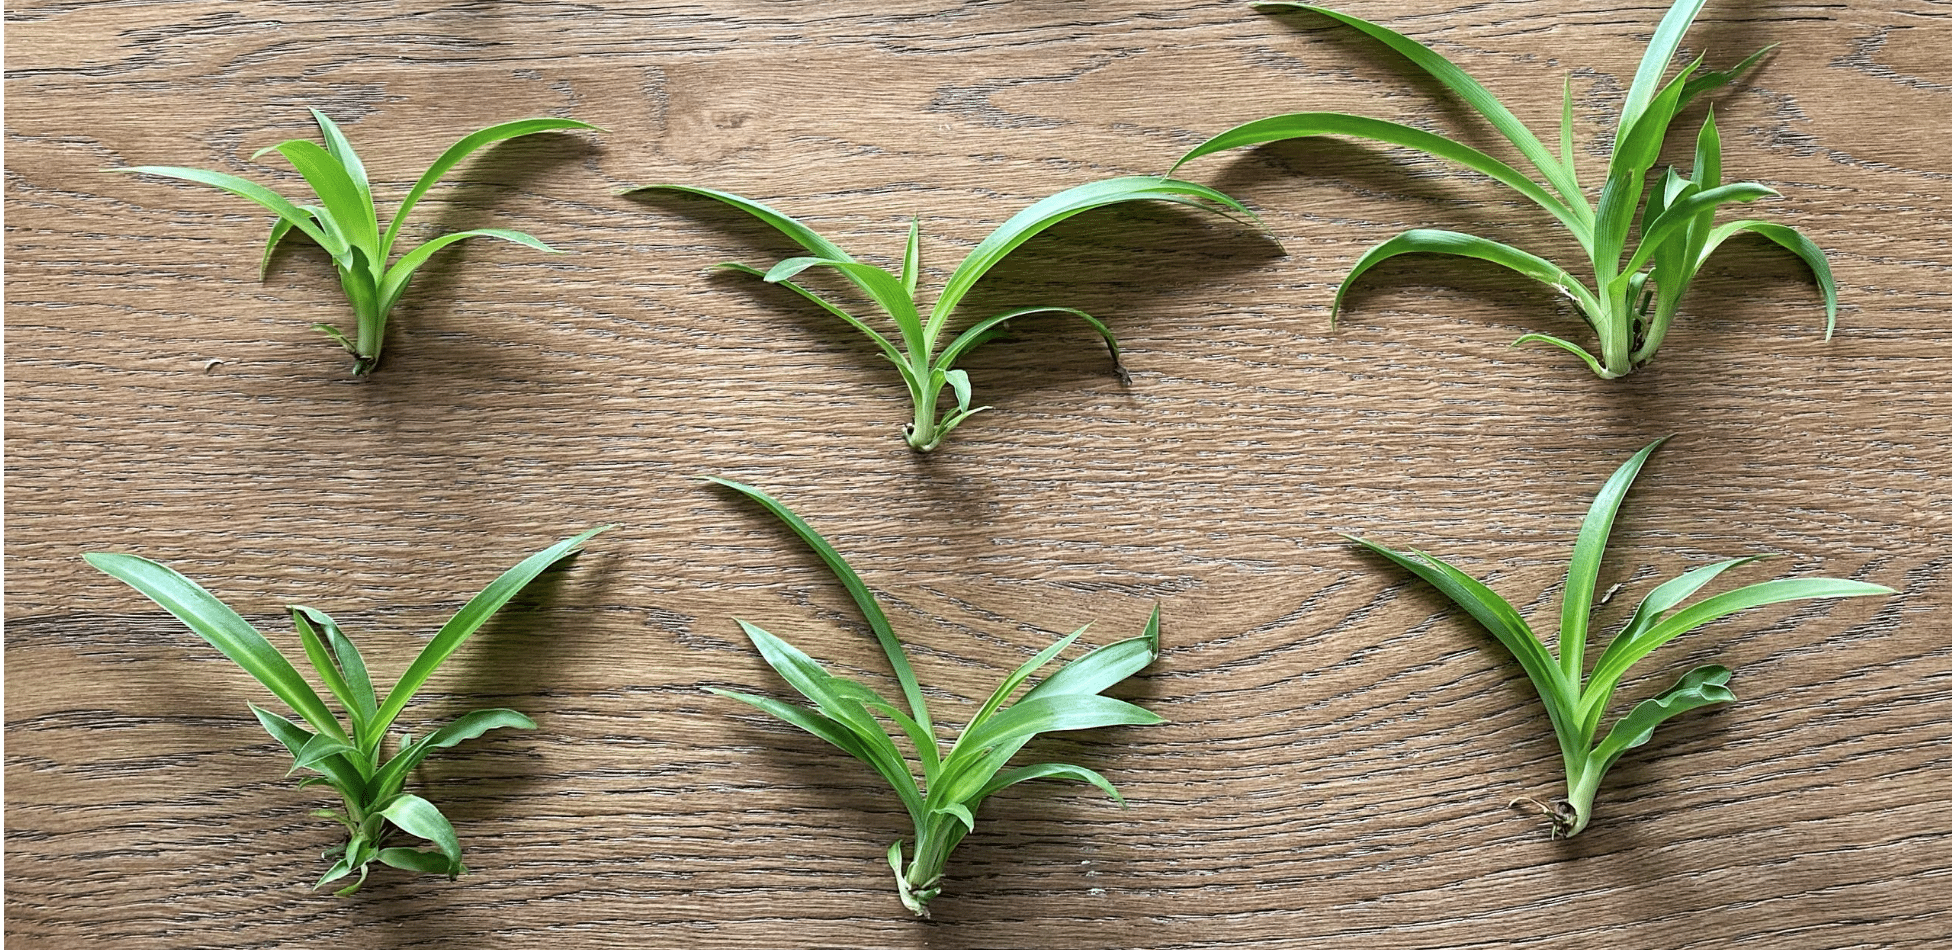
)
(1559, 813)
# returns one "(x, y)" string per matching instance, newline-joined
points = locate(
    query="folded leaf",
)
(1701, 686)
(418, 817)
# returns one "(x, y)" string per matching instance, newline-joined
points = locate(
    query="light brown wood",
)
(1341, 748)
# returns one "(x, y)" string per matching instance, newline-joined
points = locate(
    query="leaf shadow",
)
(502, 175)
(1123, 265)
(758, 245)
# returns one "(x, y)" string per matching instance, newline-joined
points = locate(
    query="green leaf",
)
(342, 153)
(1282, 128)
(1466, 88)
(222, 628)
(1606, 675)
(1684, 214)
(458, 152)
(280, 229)
(339, 869)
(1654, 62)
(884, 633)
(319, 748)
(959, 812)
(884, 288)
(1709, 81)
(475, 724)
(1044, 214)
(841, 700)
(1053, 770)
(346, 208)
(401, 274)
(351, 664)
(911, 258)
(981, 752)
(328, 670)
(959, 382)
(336, 771)
(1565, 145)
(785, 224)
(1575, 349)
(1668, 596)
(1497, 616)
(470, 618)
(1104, 667)
(1582, 575)
(1701, 686)
(1431, 241)
(1022, 673)
(418, 817)
(839, 735)
(289, 213)
(415, 860)
(394, 773)
(989, 328)
(1797, 244)
(887, 349)
(1707, 170)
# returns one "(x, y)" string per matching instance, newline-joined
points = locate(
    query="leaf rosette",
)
(1575, 698)
(942, 803)
(345, 220)
(347, 751)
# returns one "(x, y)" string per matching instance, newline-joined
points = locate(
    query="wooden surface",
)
(1341, 748)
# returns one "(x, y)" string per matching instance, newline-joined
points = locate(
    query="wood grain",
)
(1341, 747)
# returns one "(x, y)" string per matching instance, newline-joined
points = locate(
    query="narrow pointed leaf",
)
(1062, 206)
(319, 748)
(415, 860)
(459, 152)
(1104, 667)
(1706, 82)
(1592, 362)
(1607, 675)
(470, 618)
(1797, 244)
(346, 207)
(1459, 82)
(1052, 770)
(1684, 214)
(911, 258)
(989, 328)
(342, 153)
(351, 664)
(1497, 616)
(337, 772)
(1431, 241)
(401, 274)
(1582, 575)
(1654, 62)
(884, 633)
(884, 288)
(887, 349)
(291, 214)
(222, 628)
(1023, 672)
(1282, 128)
